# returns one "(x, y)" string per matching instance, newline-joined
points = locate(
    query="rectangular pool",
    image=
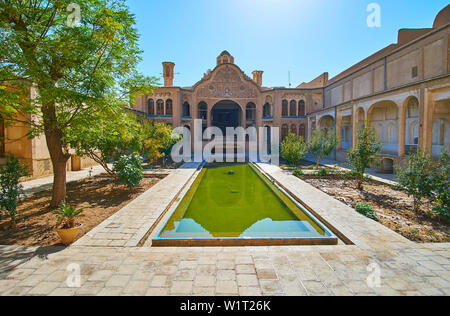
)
(237, 205)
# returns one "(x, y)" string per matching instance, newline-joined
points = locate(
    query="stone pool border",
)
(130, 226)
(242, 242)
(405, 267)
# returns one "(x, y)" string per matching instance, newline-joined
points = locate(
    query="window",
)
(415, 71)
(266, 110)
(203, 111)
(186, 109)
(169, 107)
(293, 129)
(251, 112)
(293, 108)
(151, 107)
(160, 107)
(284, 131)
(284, 108)
(302, 131)
(301, 108)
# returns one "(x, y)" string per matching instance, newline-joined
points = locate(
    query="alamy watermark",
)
(374, 18)
(74, 17)
(73, 280)
(374, 278)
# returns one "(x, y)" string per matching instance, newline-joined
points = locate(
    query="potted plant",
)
(66, 218)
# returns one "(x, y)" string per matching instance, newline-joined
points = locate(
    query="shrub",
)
(366, 210)
(11, 189)
(441, 179)
(396, 187)
(363, 155)
(66, 215)
(417, 178)
(293, 148)
(322, 144)
(158, 141)
(298, 173)
(323, 172)
(129, 169)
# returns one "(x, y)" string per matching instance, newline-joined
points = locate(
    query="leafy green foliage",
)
(417, 178)
(129, 169)
(323, 172)
(441, 186)
(107, 137)
(322, 144)
(298, 173)
(293, 148)
(66, 215)
(10, 188)
(363, 155)
(78, 72)
(366, 210)
(157, 140)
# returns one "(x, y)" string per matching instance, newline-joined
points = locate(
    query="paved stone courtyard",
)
(107, 268)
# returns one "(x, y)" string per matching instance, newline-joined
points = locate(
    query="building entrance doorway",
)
(226, 114)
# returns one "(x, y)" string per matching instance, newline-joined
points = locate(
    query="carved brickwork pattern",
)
(227, 83)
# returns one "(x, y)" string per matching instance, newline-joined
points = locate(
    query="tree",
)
(441, 179)
(157, 140)
(78, 69)
(417, 178)
(107, 137)
(10, 188)
(364, 154)
(293, 148)
(322, 144)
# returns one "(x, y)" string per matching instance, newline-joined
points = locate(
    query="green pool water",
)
(237, 201)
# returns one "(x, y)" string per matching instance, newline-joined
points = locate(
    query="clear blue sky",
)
(305, 37)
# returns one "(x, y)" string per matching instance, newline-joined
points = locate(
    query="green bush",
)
(367, 147)
(417, 179)
(11, 189)
(396, 187)
(322, 144)
(298, 173)
(293, 148)
(441, 186)
(323, 172)
(129, 169)
(366, 210)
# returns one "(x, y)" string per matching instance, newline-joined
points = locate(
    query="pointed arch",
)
(284, 108)
(151, 107)
(160, 107)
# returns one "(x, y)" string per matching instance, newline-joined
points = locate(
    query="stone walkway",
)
(44, 184)
(377, 254)
(129, 226)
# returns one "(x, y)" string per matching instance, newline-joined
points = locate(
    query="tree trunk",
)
(318, 162)
(59, 183)
(360, 184)
(59, 162)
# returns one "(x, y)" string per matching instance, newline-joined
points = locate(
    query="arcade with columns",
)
(402, 91)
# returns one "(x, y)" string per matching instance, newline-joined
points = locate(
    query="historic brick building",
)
(403, 91)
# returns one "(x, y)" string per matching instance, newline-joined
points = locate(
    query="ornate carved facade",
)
(402, 91)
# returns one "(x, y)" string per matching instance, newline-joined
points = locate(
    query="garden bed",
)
(101, 194)
(394, 208)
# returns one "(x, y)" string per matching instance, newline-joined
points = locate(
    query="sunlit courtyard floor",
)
(110, 261)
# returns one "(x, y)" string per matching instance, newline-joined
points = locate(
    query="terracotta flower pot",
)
(68, 235)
